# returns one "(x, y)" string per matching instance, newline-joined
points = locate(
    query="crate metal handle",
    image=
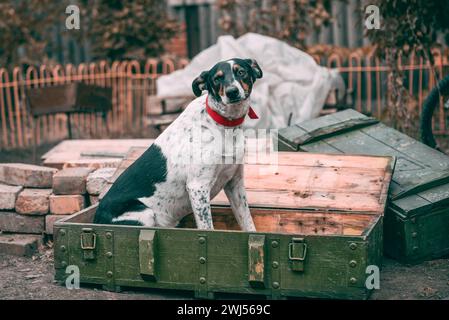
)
(93, 239)
(290, 249)
(297, 262)
(88, 240)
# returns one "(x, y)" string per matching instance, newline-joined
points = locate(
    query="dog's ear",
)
(200, 83)
(255, 68)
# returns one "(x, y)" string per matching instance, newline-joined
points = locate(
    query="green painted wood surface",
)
(226, 266)
(419, 188)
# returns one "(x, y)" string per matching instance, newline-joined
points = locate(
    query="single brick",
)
(33, 201)
(66, 204)
(19, 244)
(94, 199)
(50, 220)
(97, 180)
(8, 196)
(27, 175)
(71, 181)
(14, 222)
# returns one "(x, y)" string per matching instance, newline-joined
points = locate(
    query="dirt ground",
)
(32, 278)
(23, 278)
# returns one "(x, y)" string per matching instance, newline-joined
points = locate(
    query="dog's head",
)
(228, 82)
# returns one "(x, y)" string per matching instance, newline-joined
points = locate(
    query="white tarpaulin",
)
(293, 86)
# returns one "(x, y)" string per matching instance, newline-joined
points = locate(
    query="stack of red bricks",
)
(33, 198)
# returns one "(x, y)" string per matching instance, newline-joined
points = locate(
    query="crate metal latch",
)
(256, 260)
(147, 254)
(297, 253)
(88, 243)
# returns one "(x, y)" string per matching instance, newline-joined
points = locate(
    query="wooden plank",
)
(323, 126)
(334, 182)
(307, 159)
(308, 200)
(438, 194)
(72, 150)
(94, 163)
(333, 129)
(338, 180)
(132, 155)
(320, 147)
(292, 222)
(84, 216)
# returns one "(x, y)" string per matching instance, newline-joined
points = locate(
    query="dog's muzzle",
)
(233, 93)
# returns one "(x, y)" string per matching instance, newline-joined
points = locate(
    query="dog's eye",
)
(241, 72)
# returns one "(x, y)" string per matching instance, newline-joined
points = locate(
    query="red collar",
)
(218, 118)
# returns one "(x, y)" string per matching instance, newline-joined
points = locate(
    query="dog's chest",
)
(223, 175)
(195, 149)
(195, 139)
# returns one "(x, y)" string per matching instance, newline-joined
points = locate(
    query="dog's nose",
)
(232, 92)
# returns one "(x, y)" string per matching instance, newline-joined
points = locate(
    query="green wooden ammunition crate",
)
(416, 224)
(318, 221)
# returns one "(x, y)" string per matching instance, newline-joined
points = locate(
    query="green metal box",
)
(314, 237)
(416, 223)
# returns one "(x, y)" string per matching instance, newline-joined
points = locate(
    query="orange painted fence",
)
(133, 82)
(366, 80)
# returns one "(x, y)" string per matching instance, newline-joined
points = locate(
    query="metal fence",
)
(133, 83)
(366, 80)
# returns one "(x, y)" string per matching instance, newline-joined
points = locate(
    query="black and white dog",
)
(166, 183)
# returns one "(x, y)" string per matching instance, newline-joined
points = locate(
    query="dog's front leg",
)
(236, 193)
(199, 194)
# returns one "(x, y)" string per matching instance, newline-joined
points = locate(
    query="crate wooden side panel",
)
(292, 221)
(394, 235)
(435, 226)
(412, 240)
(177, 260)
(375, 242)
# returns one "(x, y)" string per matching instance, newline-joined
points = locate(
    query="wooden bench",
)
(68, 99)
(162, 111)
